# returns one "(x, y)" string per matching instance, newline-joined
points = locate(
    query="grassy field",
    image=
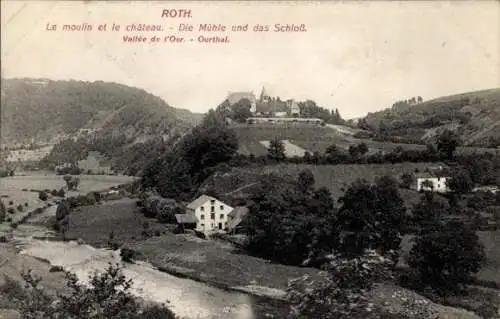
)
(17, 189)
(338, 177)
(315, 139)
(210, 261)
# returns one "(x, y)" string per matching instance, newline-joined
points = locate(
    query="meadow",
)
(338, 177)
(315, 138)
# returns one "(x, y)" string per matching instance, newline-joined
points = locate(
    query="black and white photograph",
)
(250, 159)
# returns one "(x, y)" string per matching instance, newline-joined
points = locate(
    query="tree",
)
(460, 182)
(43, 196)
(428, 212)
(276, 150)
(288, 225)
(334, 154)
(371, 217)
(447, 143)
(107, 296)
(447, 257)
(178, 173)
(72, 182)
(3, 211)
(241, 110)
(306, 180)
(362, 148)
(408, 179)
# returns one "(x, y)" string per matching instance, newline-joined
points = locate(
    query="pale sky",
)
(358, 57)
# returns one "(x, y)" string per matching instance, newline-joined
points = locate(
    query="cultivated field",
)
(24, 155)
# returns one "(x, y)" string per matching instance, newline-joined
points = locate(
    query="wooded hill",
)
(474, 116)
(45, 110)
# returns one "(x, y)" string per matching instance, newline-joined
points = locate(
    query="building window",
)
(202, 208)
(225, 224)
(212, 201)
(212, 216)
(221, 216)
(212, 209)
(202, 225)
(202, 216)
(221, 207)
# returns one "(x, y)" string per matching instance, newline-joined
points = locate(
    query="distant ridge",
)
(45, 111)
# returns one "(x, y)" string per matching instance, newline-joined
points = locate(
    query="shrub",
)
(11, 202)
(56, 269)
(11, 210)
(54, 192)
(343, 291)
(128, 255)
(26, 204)
(106, 296)
(61, 193)
(63, 210)
(20, 207)
(43, 196)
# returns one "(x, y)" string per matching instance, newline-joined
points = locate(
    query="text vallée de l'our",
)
(211, 27)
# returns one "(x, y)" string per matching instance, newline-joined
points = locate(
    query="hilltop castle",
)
(266, 105)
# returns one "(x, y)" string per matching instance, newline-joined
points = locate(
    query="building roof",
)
(200, 201)
(236, 216)
(429, 175)
(186, 219)
(235, 97)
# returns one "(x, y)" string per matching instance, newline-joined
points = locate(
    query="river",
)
(187, 298)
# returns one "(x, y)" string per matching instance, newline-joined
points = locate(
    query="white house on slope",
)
(427, 182)
(211, 214)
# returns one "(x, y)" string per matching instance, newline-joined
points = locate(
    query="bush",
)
(128, 255)
(61, 193)
(11, 202)
(11, 210)
(20, 207)
(107, 296)
(54, 192)
(343, 291)
(43, 196)
(26, 204)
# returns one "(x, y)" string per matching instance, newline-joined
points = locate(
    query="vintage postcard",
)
(250, 159)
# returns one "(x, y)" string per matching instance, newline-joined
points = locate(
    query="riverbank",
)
(210, 261)
(187, 298)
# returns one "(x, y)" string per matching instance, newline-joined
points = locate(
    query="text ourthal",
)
(213, 39)
(290, 27)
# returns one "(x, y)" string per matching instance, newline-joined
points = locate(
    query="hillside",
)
(314, 138)
(474, 116)
(46, 111)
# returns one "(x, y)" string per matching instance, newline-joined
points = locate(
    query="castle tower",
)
(264, 97)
